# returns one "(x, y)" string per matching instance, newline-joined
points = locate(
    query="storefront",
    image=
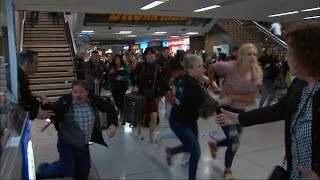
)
(177, 44)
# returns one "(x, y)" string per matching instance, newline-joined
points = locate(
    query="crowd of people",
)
(237, 78)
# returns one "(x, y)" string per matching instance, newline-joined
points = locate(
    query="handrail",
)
(22, 29)
(268, 33)
(72, 37)
(69, 41)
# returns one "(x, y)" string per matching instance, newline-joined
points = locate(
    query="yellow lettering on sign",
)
(137, 17)
(130, 18)
(154, 18)
(124, 17)
(114, 17)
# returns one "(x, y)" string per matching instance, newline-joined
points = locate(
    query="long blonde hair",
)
(257, 71)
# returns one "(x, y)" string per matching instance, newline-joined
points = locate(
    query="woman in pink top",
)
(242, 80)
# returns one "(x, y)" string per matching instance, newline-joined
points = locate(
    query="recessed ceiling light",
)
(153, 4)
(311, 17)
(283, 14)
(160, 32)
(311, 9)
(124, 32)
(192, 33)
(207, 8)
(132, 35)
(86, 31)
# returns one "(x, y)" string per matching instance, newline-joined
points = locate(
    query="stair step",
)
(51, 74)
(50, 86)
(43, 19)
(52, 80)
(43, 25)
(50, 49)
(43, 35)
(35, 42)
(44, 39)
(52, 92)
(45, 45)
(44, 32)
(51, 59)
(53, 98)
(44, 29)
(55, 69)
(50, 64)
(54, 54)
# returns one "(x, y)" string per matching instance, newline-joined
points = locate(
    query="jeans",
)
(190, 144)
(232, 141)
(73, 162)
(268, 92)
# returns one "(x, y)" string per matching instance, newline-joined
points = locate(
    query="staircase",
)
(243, 35)
(55, 73)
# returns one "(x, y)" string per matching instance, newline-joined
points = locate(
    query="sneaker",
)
(40, 170)
(185, 163)
(169, 156)
(157, 142)
(214, 135)
(228, 174)
(213, 149)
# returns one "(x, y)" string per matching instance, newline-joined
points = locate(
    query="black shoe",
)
(123, 123)
(169, 156)
(40, 170)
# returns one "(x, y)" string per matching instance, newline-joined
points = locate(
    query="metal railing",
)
(22, 30)
(270, 35)
(70, 42)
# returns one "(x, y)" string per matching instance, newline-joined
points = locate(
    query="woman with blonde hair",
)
(242, 80)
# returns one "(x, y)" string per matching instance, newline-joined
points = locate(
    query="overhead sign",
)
(176, 42)
(110, 42)
(141, 20)
(165, 43)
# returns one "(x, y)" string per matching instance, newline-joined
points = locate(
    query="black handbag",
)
(279, 172)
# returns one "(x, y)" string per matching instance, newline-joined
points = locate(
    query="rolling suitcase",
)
(133, 109)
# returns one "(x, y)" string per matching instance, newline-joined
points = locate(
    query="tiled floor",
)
(129, 158)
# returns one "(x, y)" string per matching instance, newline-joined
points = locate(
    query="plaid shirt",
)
(300, 129)
(84, 116)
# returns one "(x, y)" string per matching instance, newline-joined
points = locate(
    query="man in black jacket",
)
(77, 122)
(27, 65)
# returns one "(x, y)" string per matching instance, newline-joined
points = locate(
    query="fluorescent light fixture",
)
(207, 8)
(132, 35)
(124, 32)
(192, 33)
(153, 4)
(86, 31)
(160, 32)
(283, 14)
(174, 36)
(311, 17)
(311, 9)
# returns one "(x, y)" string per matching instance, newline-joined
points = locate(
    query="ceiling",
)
(258, 10)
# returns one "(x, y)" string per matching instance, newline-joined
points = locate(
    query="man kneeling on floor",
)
(77, 122)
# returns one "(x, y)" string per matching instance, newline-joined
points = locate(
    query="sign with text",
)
(141, 20)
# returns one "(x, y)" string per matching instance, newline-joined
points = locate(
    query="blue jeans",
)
(73, 162)
(232, 141)
(190, 144)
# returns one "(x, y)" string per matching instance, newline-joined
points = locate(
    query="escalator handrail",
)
(268, 33)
